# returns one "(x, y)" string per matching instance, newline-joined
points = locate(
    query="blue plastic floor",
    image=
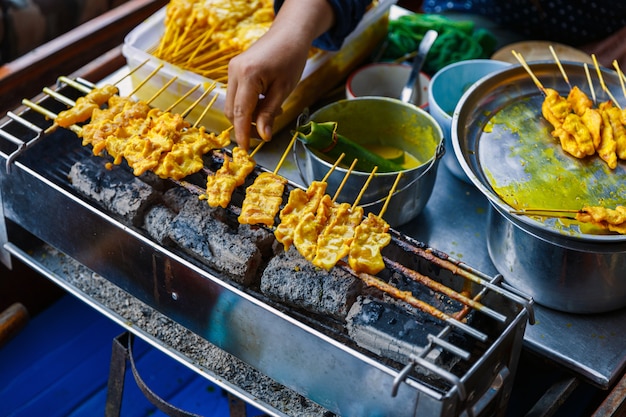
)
(58, 365)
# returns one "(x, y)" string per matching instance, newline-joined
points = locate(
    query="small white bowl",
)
(445, 89)
(384, 80)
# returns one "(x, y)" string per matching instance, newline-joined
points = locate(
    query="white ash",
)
(294, 281)
(157, 223)
(117, 190)
(193, 348)
(197, 232)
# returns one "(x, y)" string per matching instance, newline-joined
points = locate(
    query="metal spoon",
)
(412, 90)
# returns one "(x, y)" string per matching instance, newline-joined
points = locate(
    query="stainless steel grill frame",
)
(338, 377)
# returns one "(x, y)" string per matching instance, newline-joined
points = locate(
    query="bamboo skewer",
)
(524, 64)
(162, 89)
(332, 169)
(284, 156)
(198, 100)
(602, 83)
(183, 97)
(393, 190)
(558, 63)
(593, 91)
(145, 80)
(621, 76)
(365, 186)
(344, 180)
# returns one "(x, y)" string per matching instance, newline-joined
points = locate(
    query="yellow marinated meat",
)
(568, 142)
(593, 121)
(579, 101)
(122, 119)
(143, 149)
(334, 242)
(619, 132)
(369, 239)
(608, 147)
(555, 108)
(300, 202)
(576, 128)
(310, 226)
(232, 174)
(609, 219)
(263, 199)
(85, 105)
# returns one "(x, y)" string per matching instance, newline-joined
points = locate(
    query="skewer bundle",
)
(201, 36)
(582, 129)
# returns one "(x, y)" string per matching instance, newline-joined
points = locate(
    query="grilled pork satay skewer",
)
(613, 220)
(82, 109)
(335, 240)
(557, 110)
(232, 174)
(264, 197)
(613, 127)
(587, 135)
(311, 224)
(300, 203)
(369, 238)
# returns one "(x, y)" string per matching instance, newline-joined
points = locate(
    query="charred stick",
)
(408, 297)
(439, 287)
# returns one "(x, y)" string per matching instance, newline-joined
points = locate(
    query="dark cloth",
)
(348, 14)
(573, 22)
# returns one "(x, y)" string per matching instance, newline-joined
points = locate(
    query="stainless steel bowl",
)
(560, 263)
(380, 120)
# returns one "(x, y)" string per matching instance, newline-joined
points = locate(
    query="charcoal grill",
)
(462, 363)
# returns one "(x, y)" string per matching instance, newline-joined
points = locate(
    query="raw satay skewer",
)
(264, 197)
(369, 238)
(299, 204)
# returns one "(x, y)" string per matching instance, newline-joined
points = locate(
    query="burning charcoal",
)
(157, 222)
(263, 238)
(214, 243)
(176, 197)
(386, 330)
(117, 190)
(291, 279)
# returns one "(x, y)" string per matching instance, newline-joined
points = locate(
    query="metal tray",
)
(505, 147)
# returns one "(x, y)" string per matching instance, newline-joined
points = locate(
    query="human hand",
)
(259, 81)
(261, 78)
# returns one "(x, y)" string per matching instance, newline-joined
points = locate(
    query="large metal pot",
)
(559, 263)
(380, 120)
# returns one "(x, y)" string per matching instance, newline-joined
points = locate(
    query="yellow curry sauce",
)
(527, 168)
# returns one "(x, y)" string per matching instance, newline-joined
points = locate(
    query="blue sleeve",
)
(348, 14)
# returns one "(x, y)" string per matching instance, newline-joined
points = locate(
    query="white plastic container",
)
(323, 71)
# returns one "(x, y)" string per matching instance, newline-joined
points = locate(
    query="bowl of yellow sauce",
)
(399, 132)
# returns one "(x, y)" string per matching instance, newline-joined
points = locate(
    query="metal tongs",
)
(411, 91)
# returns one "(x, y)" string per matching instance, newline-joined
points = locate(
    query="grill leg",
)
(117, 370)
